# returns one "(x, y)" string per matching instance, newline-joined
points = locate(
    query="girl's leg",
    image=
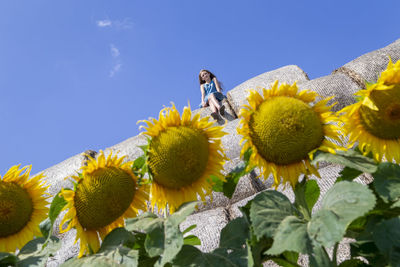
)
(213, 107)
(215, 102)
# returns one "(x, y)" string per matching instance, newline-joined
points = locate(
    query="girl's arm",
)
(217, 86)
(202, 95)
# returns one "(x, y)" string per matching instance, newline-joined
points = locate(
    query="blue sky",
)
(77, 75)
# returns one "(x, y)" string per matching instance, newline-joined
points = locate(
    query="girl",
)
(211, 93)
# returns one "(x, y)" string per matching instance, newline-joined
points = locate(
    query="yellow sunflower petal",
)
(23, 205)
(182, 158)
(107, 193)
(283, 130)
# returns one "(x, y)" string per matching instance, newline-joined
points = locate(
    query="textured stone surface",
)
(289, 74)
(209, 225)
(338, 85)
(368, 66)
(57, 175)
(129, 148)
(68, 249)
(231, 141)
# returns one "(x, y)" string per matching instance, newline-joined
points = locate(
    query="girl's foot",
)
(222, 110)
(214, 115)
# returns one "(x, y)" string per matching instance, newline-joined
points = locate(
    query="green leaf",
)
(353, 263)
(58, 203)
(173, 236)
(325, 228)
(155, 239)
(368, 250)
(45, 227)
(349, 200)
(312, 193)
(37, 251)
(386, 236)
(307, 193)
(139, 162)
(218, 184)
(267, 211)
(190, 228)
(141, 222)
(191, 256)
(342, 204)
(117, 237)
(387, 181)
(114, 251)
(235, 234)
(191, 240)
(319, 258)
(349, 158)
(56, 206)
(284, 262)
(247, 154)
(164, 237)
(291, 235)
(121, 256)
(7, 259)
(232, 179)
(348, 174)
(236, 256)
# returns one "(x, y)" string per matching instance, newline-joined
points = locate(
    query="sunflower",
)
(374, 121)
(23, 205)
(183, 153)
(105, 193)
(283, 131)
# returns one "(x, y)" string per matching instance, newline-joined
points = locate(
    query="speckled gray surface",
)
(57, 175)
(340, 86)
(212, 217)
(370, 65)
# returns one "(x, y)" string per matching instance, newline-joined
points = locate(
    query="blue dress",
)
(209, 88)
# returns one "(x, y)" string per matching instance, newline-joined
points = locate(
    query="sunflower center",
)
(384, 122)
(103, 196)
(15, 208)
(284, 130)
(178, 156)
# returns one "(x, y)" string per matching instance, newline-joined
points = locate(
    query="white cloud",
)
(124, 24)
(116, 60)
(115, 69)
(104, 23)
(114, 51)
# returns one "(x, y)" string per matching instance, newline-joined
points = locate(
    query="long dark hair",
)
(212, 76)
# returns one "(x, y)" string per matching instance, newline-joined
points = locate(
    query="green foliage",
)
(231, 252)
(348, 174)
(8, 259)
(228, 186)
(163, 236)
(268, 209)
(307, 193)
(387, 181)
(291, 235)
(343, 203)
(37, 251)
(271, 228)
(58, 203)
(350, 158)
